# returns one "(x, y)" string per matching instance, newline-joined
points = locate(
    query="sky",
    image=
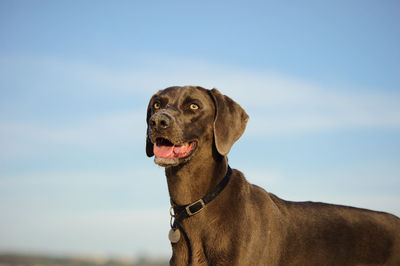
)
(320, 81)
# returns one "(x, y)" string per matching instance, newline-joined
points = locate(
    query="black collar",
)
(185, 211)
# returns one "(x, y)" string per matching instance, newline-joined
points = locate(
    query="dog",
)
(218, 218)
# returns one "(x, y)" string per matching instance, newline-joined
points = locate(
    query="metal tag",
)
(174, 235)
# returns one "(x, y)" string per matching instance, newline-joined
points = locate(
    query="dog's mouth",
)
(167, 152)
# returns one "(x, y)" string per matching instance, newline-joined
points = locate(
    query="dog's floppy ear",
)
(229, 123)
(149, 144)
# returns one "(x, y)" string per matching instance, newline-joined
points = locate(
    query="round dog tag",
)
(174, 235)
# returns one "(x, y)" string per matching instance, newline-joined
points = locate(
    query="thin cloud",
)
(107, 131)
(277, 104)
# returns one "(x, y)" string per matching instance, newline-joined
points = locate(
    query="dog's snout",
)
(160, 121)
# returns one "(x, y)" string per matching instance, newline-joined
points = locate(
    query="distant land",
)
(39, 260)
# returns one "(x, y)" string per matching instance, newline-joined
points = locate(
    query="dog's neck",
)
(190, 182)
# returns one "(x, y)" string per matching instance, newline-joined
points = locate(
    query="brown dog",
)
(221, 219)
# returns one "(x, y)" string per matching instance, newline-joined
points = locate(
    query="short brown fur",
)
(244, 224)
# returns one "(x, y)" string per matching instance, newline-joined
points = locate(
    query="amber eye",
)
(194, 106)
(156, 106)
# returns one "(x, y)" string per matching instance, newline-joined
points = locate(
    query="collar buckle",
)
(195, 207)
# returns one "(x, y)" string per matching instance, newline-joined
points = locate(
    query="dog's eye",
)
(194, 106)
(156, 106)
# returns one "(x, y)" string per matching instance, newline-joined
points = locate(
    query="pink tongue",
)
(163, 151)
(172, 151)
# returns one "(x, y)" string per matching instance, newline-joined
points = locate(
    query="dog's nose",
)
(160, 121)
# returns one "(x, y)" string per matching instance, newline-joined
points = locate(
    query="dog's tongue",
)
(163, 151)
(173, 151)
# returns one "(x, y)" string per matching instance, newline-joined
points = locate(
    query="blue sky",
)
(319, 79)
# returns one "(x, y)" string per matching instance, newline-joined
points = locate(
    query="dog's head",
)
(184, 121)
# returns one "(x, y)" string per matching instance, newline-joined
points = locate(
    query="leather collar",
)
(185, 211)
